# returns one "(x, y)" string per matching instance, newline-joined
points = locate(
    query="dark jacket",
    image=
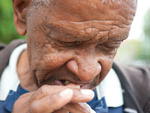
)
(135, 81)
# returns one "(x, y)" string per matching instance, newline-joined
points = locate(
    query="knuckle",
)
(44, 89)
(34, 108)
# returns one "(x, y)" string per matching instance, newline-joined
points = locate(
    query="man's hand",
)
(76, 108)
(49, 99)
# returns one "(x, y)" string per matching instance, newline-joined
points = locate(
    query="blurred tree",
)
(146, 24)
(7, 29)
(145, 54)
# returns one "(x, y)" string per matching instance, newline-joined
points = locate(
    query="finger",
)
(46, 90)
(82, 95)
(61, 111)
(52, 103)
(77, 108)
(73, 86)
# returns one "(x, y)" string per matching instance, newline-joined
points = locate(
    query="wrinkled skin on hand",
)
(70, 41)
(54, 99)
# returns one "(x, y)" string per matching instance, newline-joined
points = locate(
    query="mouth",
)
(62, 78)
(65, 82)
(59, 82)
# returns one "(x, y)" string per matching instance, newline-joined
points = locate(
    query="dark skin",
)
(71, 46)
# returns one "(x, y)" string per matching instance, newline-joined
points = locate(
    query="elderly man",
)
(69, 51)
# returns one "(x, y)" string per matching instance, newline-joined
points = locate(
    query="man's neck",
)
(24, 73)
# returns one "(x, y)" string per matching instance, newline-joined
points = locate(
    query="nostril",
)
(99, 67)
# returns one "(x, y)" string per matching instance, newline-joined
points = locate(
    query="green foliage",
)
(145, 54)
(7, 29)
(146, 25)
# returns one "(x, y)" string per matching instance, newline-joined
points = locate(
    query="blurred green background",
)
(7, 29)
(137, 49)
(134, 50)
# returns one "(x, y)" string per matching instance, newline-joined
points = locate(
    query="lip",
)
(58, 77)
(63, 80)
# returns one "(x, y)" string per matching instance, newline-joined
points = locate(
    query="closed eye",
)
(69, 44)
(109, 46)
(113, 44)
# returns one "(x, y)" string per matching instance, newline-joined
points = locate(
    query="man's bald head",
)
(79, 10)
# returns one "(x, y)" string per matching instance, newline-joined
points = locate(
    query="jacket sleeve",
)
(5, 52)
(2, 46)
(138, 78)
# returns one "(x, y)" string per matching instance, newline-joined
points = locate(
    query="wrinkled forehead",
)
(86, 17)
(92, 3)
(89, 9)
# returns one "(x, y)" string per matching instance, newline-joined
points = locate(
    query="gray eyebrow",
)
(86, 30)
(70, 33)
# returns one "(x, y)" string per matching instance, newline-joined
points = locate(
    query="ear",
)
(20, 12)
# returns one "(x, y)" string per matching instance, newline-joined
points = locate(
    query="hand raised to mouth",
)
(52, 98)
(75, 107)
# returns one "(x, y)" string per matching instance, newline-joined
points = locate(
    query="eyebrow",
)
(70, 32)
(78, 33)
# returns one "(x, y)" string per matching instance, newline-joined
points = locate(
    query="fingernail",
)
(66, 92)
(87, 92)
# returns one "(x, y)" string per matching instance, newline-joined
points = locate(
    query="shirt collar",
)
(9, 79)
(111, 89)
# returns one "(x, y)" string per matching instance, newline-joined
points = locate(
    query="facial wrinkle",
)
(40, 3)
(89, 29)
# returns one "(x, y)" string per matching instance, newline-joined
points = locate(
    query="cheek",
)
(106, 64)
(50, 58)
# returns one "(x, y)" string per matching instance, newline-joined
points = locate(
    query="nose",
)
(85, 69)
